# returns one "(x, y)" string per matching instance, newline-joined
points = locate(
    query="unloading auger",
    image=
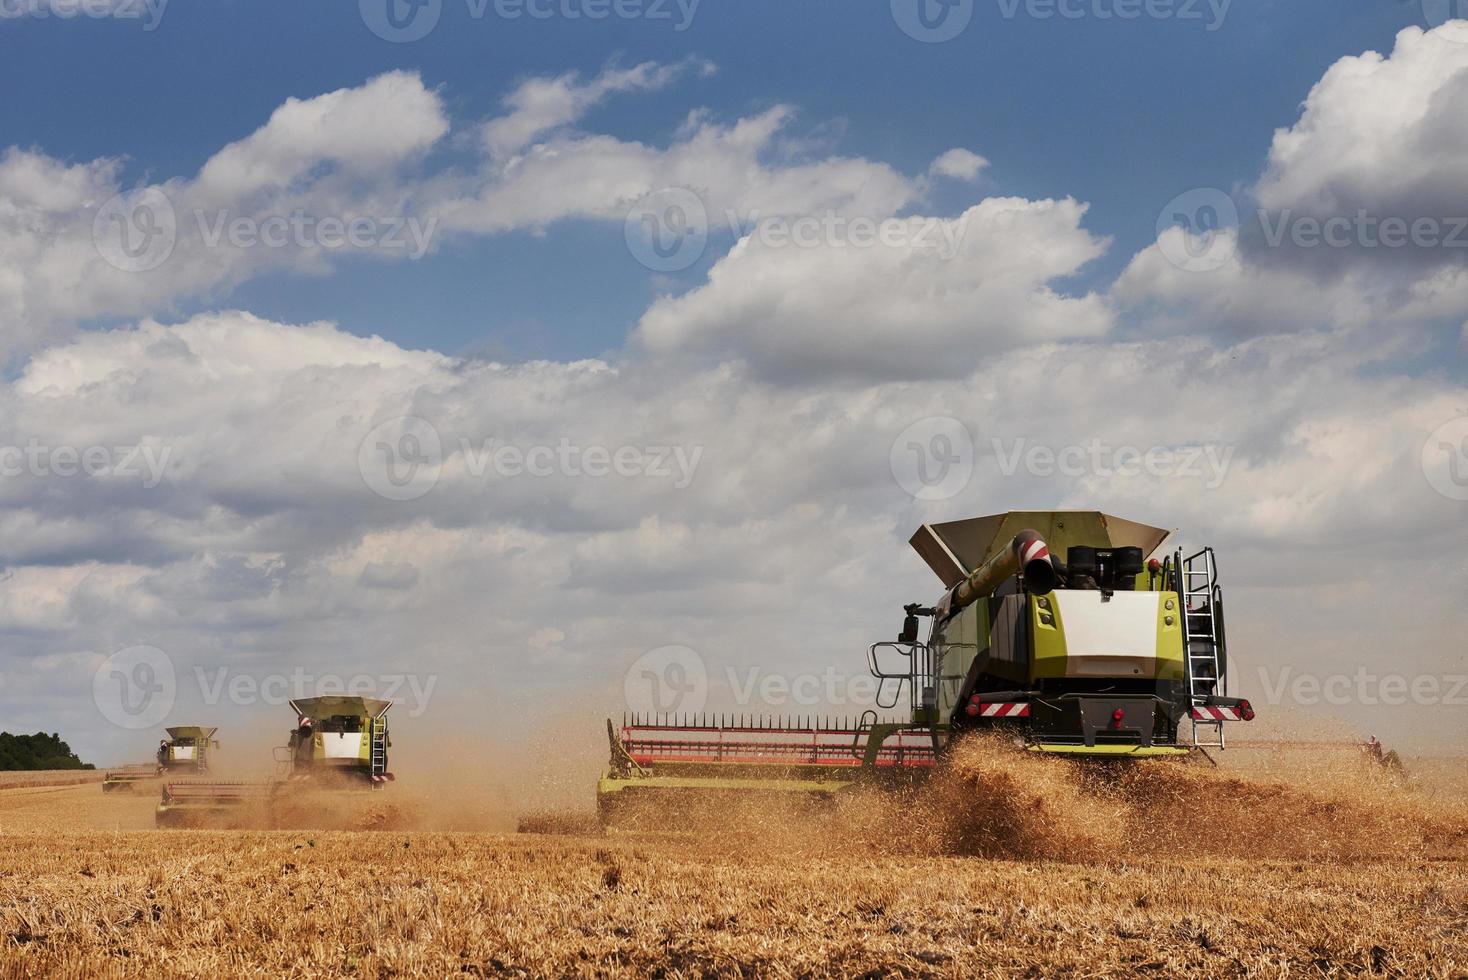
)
(1110, 653)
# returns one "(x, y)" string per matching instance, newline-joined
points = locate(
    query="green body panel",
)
(1047, 639)
(1171, 665)
(954, 647)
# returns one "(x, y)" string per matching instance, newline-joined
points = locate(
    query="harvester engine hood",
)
(332, 706)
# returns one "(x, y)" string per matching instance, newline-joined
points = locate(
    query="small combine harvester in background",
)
(339, 744)
(1110, 653)
(184, 752)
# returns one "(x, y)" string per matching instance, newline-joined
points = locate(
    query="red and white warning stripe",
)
(1209, 713)
(1014, 710)
(1033, 550)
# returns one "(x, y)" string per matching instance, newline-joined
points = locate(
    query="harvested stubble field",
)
(1044, 870)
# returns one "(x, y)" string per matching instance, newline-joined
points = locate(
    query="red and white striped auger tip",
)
(1034, 560)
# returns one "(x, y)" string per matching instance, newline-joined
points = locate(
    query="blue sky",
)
(1119, 114)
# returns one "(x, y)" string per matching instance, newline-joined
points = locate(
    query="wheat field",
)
(1006, 867)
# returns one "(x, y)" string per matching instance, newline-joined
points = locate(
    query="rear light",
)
(1117, 717)
(971, 710)
(1246, 711)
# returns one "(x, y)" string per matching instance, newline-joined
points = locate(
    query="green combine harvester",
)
(1109, 653)
(184, 752)
(339, 743)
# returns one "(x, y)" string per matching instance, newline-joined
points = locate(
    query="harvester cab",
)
(186, 749)
(339, 737)
(1110, 653)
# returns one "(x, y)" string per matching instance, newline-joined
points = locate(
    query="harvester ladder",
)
(1199, 594)
(377, 730)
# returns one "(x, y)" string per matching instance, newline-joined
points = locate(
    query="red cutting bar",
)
(818, 746)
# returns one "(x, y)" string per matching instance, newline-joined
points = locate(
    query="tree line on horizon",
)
(37, 752)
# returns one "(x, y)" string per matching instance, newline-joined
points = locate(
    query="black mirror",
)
(909, 632)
